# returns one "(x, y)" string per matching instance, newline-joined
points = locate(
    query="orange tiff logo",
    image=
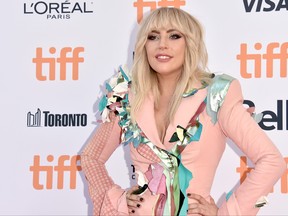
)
(273, 52)
(62, 60)
(140, 5)
(244, 171)
(47, 172)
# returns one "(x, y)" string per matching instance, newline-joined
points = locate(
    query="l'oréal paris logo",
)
(58, 10)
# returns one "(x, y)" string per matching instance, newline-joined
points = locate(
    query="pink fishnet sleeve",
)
(100, 147)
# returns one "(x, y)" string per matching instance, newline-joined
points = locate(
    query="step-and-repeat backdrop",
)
(55, 58)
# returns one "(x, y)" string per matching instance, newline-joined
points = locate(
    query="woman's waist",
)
(154, 203)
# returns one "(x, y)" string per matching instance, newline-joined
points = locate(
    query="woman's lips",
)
(163, 57)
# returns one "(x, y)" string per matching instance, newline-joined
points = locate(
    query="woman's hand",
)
(133, 200)
(203, 207)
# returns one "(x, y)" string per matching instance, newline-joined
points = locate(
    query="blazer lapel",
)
(184, 113)
(146, 121)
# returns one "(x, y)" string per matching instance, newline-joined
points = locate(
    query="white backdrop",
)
(42, 41)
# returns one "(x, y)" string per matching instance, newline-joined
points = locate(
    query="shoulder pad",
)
(217, 91)
(116, 98)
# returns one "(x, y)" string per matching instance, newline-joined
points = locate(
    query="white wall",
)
(100, 35)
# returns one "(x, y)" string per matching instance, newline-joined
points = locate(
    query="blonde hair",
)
(144, 79)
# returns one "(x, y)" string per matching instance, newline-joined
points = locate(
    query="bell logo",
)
(48, 171)
(62, 60)
(273, 120)
(270, 56)
(140, 5)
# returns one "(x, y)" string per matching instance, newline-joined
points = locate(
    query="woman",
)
(176, 117)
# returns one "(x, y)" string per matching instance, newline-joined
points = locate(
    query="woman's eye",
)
(152, 37)
(175, 36)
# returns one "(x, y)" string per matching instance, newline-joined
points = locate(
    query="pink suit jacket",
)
(200, 157)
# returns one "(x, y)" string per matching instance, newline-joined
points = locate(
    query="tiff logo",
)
(47, 172)
(244, 171)
(62, 60)
(140, 5)
(34, 120)
(274, 52)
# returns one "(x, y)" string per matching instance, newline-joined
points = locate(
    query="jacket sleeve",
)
(242, 129)
(107, 197)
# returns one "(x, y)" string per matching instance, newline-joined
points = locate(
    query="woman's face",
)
(165, 50)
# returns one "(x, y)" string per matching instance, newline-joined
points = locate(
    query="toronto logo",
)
(48, 119)
(34, 120)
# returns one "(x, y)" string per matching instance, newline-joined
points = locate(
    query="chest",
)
(161, 121)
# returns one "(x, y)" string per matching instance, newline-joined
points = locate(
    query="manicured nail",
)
(133, 211)
(138, 205)
(141, 199)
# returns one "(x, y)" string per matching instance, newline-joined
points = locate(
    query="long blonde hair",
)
(144, 79)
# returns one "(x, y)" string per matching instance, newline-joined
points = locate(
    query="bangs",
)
(169, 18)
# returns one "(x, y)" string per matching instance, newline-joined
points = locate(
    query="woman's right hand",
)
(133, 201)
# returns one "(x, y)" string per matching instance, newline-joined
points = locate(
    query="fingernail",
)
(188, 194)
(141, 199)
(138, 205)
(133, 211)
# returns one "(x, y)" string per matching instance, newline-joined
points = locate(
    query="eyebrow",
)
(168, 31)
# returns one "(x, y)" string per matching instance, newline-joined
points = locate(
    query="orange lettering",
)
(39, 60)
(256, 60)
(60, 168)
(270, 56)
(75, 59)
(244, 57)
(243, 169)
(140, 5)
(284, 180)
(36, 169)
(171, 3)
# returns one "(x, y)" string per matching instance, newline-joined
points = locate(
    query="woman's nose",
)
(163, 43)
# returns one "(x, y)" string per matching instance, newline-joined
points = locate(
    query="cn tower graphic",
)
(34, 120)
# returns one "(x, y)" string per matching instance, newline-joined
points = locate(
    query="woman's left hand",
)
(203, 207)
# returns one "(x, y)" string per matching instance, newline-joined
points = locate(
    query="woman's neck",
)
(167, 84)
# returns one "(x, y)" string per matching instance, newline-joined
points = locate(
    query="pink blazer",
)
(222, 116)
